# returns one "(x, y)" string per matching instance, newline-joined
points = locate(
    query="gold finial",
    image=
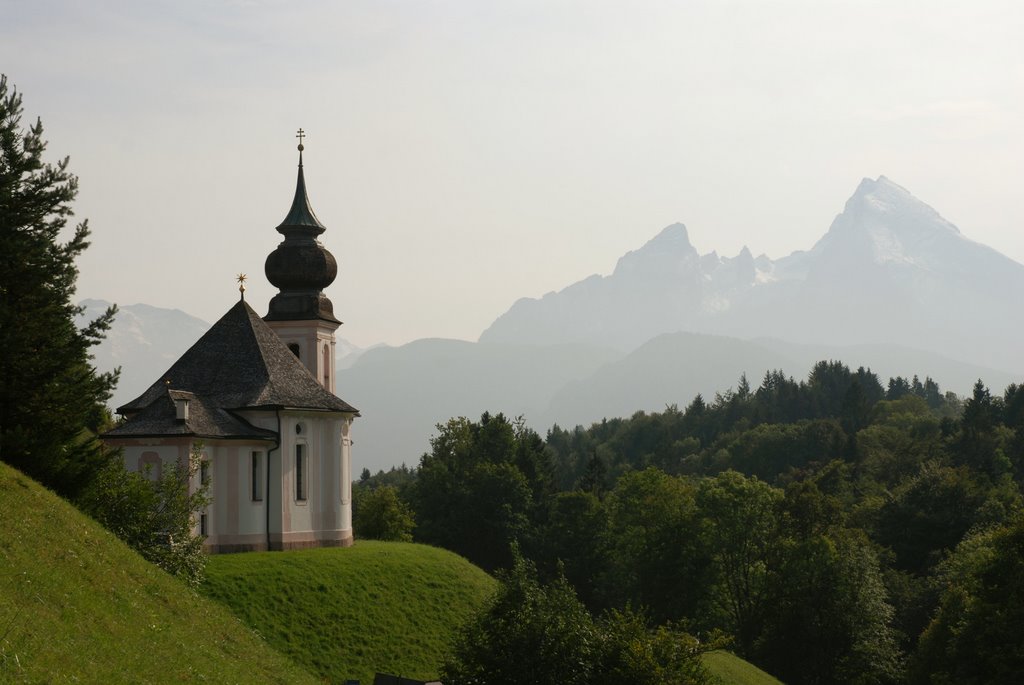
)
(300, 135)
(241, 284)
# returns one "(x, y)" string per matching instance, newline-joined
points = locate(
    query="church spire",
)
(301, 267)
(300, 216)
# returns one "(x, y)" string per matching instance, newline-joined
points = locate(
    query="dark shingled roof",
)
(239, 363)
(204, 420)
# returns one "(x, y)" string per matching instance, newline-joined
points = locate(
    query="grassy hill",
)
(76, 605)
(347, 613)
(732, 670)
(377, 606)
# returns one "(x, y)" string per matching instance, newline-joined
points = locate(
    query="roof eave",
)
(207, 436)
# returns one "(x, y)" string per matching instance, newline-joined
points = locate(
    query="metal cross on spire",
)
(300, 135)
(241, 284)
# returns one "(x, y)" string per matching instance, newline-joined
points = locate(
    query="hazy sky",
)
(464, 154)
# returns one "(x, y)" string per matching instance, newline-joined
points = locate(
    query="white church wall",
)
(236, 520)
(237, 515)
(159, 453)
(321, 517)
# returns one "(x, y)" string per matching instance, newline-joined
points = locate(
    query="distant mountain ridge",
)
(890, 269)
(144, 341)
(403, 392)
(891, 286)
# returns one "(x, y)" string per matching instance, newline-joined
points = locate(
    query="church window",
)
(295, 350)
(257, 476)
(203, 525)
(300, 472)
(204, 472)
(327, 367)
(150, 465)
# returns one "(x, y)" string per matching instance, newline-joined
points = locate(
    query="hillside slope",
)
(77, 605)
(348, 613)
(729, 669)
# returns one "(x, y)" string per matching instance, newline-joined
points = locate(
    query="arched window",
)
(150, 465)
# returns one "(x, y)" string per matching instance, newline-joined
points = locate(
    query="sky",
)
(465, 154)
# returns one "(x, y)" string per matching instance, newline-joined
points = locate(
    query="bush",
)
(542, 634)
(380, 514)
(154, 517)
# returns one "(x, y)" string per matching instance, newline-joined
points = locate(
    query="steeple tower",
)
(301, 267)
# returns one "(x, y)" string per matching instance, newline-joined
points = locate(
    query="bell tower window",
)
(327, 366)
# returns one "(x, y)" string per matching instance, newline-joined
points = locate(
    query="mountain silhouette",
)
(889, 270)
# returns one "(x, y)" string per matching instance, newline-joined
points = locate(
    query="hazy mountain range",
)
(891, 286)
(889, 270)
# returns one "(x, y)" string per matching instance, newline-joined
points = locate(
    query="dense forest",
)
(835, 530)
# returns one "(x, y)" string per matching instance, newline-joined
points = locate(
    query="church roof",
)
(204, 420)
(240, 363)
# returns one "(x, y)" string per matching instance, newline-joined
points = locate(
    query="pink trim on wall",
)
(231, 475)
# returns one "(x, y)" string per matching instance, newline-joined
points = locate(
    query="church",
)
(257, 397)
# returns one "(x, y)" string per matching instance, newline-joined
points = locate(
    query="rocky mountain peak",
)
(665, 251)
(884, 224)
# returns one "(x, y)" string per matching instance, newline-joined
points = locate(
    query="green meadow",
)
(348, 613)
(78, 606)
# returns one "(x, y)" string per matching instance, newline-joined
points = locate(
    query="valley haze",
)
(891, 286)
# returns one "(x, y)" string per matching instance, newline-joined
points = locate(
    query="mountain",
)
(404, 392)
(143, 340)
(890, 270)
(663, 287)
(674, 367)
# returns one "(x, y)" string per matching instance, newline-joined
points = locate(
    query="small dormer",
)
(181, 401)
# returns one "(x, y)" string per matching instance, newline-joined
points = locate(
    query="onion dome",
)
(301, 267)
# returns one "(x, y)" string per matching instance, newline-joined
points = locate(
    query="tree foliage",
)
(740, 528)
(976, 634)
(155, 513)
(654, 542)
(808, 520)
(52, 401)
(542, 634)
(380, 514)
(480, 487)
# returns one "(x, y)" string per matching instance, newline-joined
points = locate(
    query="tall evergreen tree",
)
(52, 401)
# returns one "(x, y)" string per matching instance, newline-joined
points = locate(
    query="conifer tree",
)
(52, 401)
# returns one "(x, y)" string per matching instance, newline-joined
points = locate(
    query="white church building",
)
(258, 395)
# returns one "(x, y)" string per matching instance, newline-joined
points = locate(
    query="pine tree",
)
(52, 401)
